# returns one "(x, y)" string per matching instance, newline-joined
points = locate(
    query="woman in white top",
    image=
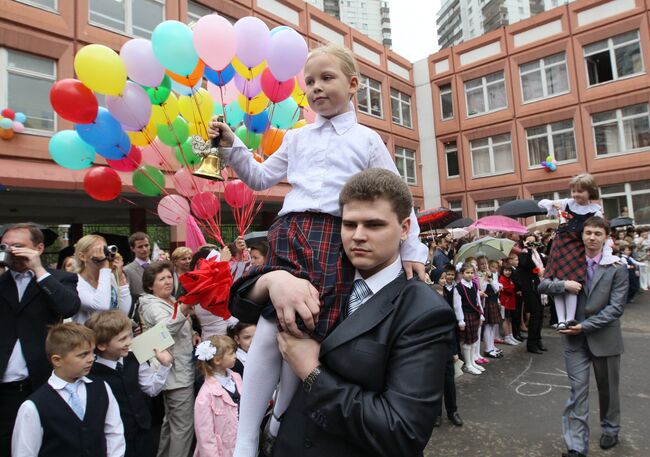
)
(98, 286)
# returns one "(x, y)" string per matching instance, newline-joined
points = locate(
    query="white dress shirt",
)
(150, 379)
(317, 160)
(380, 279)
(17, 366)
(99, 299)
(28, 432)
(458, 303)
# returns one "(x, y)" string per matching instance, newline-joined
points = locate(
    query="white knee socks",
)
(288, 384)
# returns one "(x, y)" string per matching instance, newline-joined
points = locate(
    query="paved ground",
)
(514, 408)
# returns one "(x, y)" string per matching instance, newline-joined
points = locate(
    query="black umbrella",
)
(621, 222)
(460, 223)
(520, 208)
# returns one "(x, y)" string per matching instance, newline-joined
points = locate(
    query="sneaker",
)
(511, 341)
(561, 326)
(494, 354)
(471, 370)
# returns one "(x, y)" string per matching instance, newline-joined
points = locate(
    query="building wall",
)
(566, 29)
(25, 161)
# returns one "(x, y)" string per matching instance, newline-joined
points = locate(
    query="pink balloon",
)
(308, 114)
(287, 54)
(274, 89)
(227, 94)
(173, 210)
(214, 40)
(249, 88)
(205, 205)
(253, 41)
(141, 63)
(132, 108)
(186, 184)
(300, 77)
(17, 127)
(158, 154)
(130, 162)
(215, 187)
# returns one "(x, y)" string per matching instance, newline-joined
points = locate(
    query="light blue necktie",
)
(74, 401)
(360, 291)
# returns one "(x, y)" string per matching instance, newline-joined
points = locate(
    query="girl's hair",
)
(180, 252)
(261, 246)
(74, 262)
(466, 266)
(83, 246)
(343, 55)
(235, 330)
(493, 262)
(202, 253)
(223, 344)
(505, 267)
(585, 181)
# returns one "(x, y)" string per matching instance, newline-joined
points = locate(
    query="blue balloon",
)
(180, 89)
(234, 114)
(70, 151)
(104, 131)
(173, 47)
(257, 123)
(5, 123)
(20, 117)
(116, 151)
(221, 77)
(279, 28)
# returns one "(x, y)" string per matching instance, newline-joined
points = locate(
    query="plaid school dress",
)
(308, 245)
(492, 312)
(471, 313)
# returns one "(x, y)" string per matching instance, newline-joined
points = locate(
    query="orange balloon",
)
(189, 80)
(271, 140)
(6, 134)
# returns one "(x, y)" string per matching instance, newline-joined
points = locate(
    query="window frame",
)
(496, 203)
(451, 96)
(400, 154)
(542, 68)
(549, 137)
(35, 4)
(629, 195)
(128, 19)
(491, 156)
(620, 130)
(400, 101)
(484, 86)
(447, 152)
(4, 85)
(366, 85)
(612, 58)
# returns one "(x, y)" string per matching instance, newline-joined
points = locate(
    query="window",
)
(491, 155)
(489, 207)
(196, 11)
(456, 206)
(556, 139)
(130, 17)
(49, 5)
(629, 199)
(622, 130)
(401, 106)
(451, 159)
(446, 102)
(369, 96)
(485, 94)
(405, 161)
(614, 58)
(26, 88)
(544, 78)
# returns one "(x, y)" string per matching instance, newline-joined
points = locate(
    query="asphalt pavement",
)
(514, 409)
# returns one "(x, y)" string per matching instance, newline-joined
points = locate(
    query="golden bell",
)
(210, 168)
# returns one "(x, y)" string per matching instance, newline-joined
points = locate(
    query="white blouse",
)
(99, 299)
(573, 206)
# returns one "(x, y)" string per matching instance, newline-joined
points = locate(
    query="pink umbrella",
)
(499, 224)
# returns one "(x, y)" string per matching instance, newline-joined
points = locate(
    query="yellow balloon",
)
(144, 136)
(196, 108)
(199, 128)
(167, 112)
(299, 96)
(101, 69)
(248, 73)
(253, 105)
(300, 123)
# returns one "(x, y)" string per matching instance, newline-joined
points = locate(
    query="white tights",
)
(565, 307)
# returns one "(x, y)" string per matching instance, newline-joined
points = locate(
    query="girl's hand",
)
(221, 132)
(461, 328)
(196, 339)
(557, 205)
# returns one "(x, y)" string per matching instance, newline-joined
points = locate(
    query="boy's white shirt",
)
(310, 159)
(151, 379)
(27, 436)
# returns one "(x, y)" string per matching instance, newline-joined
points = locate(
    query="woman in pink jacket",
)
(216, 410)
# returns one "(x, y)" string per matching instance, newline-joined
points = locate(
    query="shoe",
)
(267, 440)
(438, 421)
(499, 341)
(571, 323)
(519, 338)
(534, 350)
(608, 441)
(511, 341)
(481, 361)
(561, 326)
(542, 346)
(494, 355)
(471, 369)
(573, 454)
(455, 419)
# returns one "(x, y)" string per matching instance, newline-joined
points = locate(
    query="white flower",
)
(205, 351)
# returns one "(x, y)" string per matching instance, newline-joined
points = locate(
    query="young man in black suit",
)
(373, 387)
(31, 299)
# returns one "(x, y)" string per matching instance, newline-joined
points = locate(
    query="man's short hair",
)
(597, 221)
(107, 325)
(65, 338)
(374, 183)
(35, 233)
(137, 236)
(150, 273)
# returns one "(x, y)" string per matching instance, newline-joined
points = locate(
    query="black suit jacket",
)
(382, 379)
(44, 303)
(529, 281)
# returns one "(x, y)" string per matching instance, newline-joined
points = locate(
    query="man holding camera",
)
(31, 298)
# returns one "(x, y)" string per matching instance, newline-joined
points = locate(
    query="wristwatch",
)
(309, 381)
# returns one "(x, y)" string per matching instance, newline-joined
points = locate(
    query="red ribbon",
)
(208, 285)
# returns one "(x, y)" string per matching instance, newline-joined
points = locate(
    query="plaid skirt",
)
(472, 324)
(492, 312)
(567, 258)
(308, 245)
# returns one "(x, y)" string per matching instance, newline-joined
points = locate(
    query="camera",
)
(531, 244)
(110, 252)
(6, 259)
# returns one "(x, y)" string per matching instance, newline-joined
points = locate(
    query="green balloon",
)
(158, 95)
(250, 139)
(186, 150)
(149, 181)
(285, 114)
(175, 134)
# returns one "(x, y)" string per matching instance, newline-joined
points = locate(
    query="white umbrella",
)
(490, 247)
(544, 225)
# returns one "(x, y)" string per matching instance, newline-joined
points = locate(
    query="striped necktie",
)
(360, 291)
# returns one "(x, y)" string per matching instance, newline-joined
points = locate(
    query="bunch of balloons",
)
(550, 164)
(10, 123)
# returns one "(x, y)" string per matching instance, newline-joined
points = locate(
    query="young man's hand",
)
(572, 287)
(300, 353)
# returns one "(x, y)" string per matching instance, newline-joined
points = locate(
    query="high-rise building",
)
(370, 17)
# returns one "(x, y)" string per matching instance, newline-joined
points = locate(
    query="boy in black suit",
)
(70, 414)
